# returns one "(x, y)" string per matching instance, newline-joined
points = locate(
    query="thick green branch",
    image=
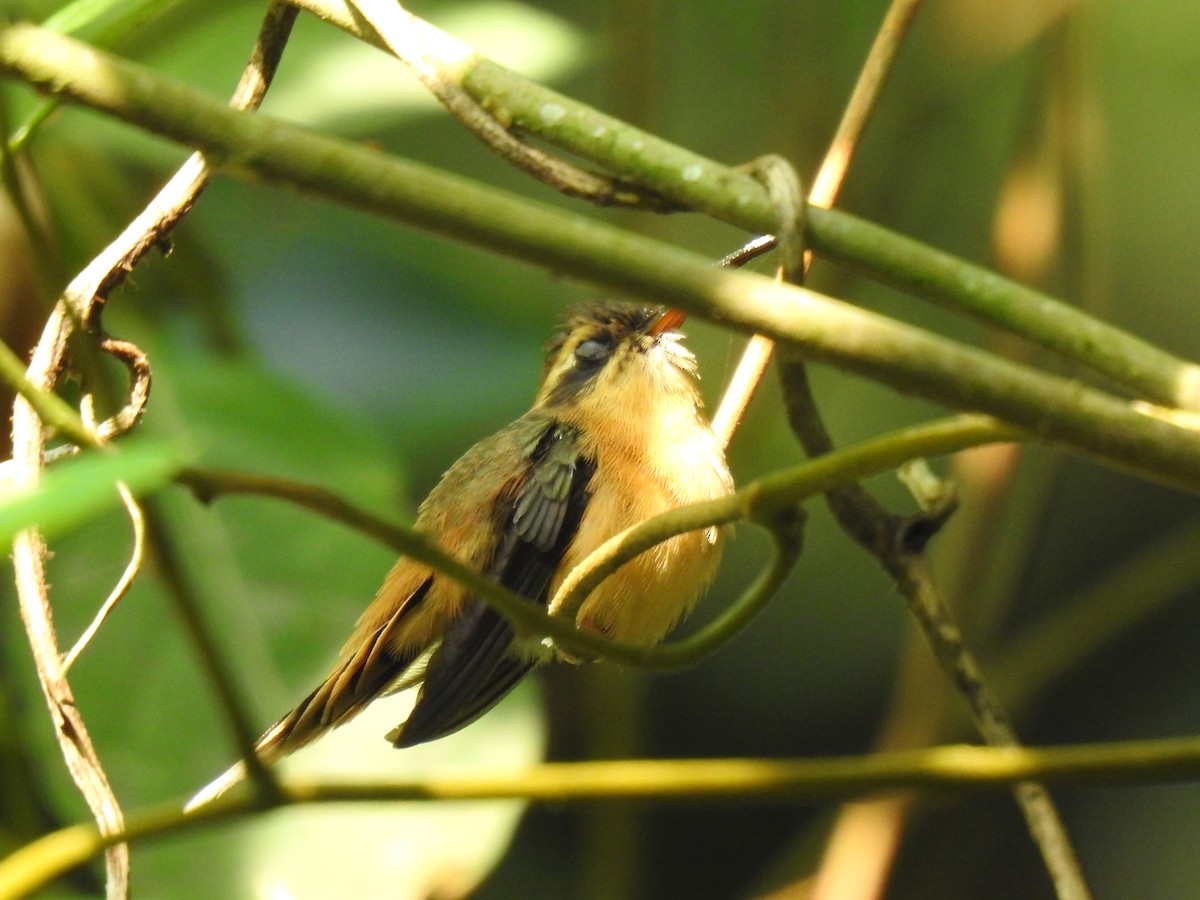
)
(1054, 409)
(732, 195)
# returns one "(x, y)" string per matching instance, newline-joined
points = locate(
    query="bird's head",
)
(627, 359)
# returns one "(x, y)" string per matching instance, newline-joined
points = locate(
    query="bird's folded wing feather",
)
(475, 667)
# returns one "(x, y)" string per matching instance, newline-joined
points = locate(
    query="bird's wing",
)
(472, 669)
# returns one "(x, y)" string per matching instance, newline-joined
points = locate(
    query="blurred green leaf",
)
(105, 21)
(394, 851)
(77, 490)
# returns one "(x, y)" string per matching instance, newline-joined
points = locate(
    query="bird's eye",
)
(592, 352)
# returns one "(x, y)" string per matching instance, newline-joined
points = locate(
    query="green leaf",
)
(77, 490)
(105, 21)
(386, 851)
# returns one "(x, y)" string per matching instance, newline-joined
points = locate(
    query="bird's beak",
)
(668, 321)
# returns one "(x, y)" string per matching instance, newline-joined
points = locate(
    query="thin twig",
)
(179, 588)
(861, 106)
(132, 508)
(1041, 815)
(751, 250)
(887, 537)
(866, 836)
(210, 484)
(787, 199)
(138, 521)
(80, 305)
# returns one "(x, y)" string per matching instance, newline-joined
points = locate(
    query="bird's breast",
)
(678, 463)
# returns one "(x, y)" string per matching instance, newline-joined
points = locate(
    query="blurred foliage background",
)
(1052, 139)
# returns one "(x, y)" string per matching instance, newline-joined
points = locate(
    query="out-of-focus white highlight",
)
(392, 851)
(349, 82)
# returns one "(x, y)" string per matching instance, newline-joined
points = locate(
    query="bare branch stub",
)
(135, 360)
(786, 194)
(748, 252)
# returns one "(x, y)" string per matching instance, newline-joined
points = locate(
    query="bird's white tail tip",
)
(217, 787)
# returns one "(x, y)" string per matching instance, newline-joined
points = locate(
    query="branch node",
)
(938, 499)
(786, 194)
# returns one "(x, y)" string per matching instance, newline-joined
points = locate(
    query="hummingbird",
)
(616, 435)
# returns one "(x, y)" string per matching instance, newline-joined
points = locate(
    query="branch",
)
(734, 196)
(1057, 410)
(799, 780)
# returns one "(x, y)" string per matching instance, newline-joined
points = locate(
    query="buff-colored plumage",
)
(616, 435)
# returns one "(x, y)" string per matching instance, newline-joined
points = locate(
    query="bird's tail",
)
(371, 667)
(349, 688)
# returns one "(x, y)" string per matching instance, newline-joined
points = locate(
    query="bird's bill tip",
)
(668, 321)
